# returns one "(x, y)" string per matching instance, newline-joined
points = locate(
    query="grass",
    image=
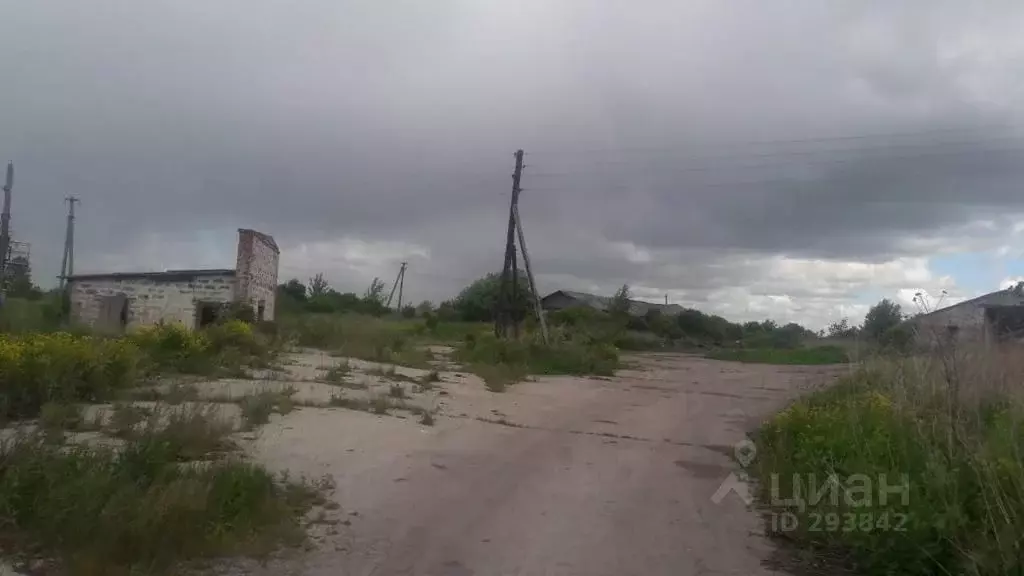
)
(817, 355)
(950, 429)
(184, 433)
(503, 362)
(257, 408)
(336, 374)
(498, 377)
(384, 340)
(97, 511)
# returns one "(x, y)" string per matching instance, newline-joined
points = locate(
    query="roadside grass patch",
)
(98, 511)
(503, 362)
(336, 374)
(257, 408)
(950, 432)
(358, 336)
(185, 433)
(816, 355)
(379, 404)
(498, 377)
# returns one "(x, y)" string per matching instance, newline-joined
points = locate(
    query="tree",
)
(477, 302)
(294, 289)
(424, 307)
(317, 285)
(19, 280)
(841, 329)
(620, 304)
(375, 293)
(881, 318)
(446, 311)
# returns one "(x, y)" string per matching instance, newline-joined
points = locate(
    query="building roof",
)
(1012, 296)
(636, 307)
(167, 275)
(267, 238)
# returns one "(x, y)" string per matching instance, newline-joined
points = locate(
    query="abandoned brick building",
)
(120, 300)
(991, 318)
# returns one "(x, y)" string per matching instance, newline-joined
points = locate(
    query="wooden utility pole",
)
(502, 316)
(401, 284)
(5, 229)
(505, 313)
(529, 275)
(67, 265)
(398, 284)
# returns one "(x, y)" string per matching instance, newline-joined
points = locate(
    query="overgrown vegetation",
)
(943, 434)
(226, 347)
(36, 369)
(257, 408)
(99, 511)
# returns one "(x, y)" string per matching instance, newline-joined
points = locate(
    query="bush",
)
(961, 460)
(61, 368)
(175, 348)
(229, 345)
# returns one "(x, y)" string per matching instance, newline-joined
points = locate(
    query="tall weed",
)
(955, 437)
(62, 368)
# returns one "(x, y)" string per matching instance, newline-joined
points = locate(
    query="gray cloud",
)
(395, 122)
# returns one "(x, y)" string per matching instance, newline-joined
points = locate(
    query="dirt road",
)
(562, 476)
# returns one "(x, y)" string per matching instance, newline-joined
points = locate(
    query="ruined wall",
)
(968, 317)
(256, 271)
(150, 300)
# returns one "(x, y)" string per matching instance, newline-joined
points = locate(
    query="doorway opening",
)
(207, 313)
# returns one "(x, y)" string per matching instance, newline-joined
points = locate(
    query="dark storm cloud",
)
(395, 121)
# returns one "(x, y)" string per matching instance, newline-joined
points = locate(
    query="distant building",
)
(119, 300)
(563, 299)
(998, 316)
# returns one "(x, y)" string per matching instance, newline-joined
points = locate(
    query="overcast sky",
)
(792, 160)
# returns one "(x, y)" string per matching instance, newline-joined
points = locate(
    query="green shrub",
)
(172, 347)
(39, 368)
(226, 346)
(963, 467)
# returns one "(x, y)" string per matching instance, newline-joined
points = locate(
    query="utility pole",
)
(529, 276)
(401, 284)
(502, 315)
(399, 281)
(67, 265)
(508, 293)
(5, 229)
